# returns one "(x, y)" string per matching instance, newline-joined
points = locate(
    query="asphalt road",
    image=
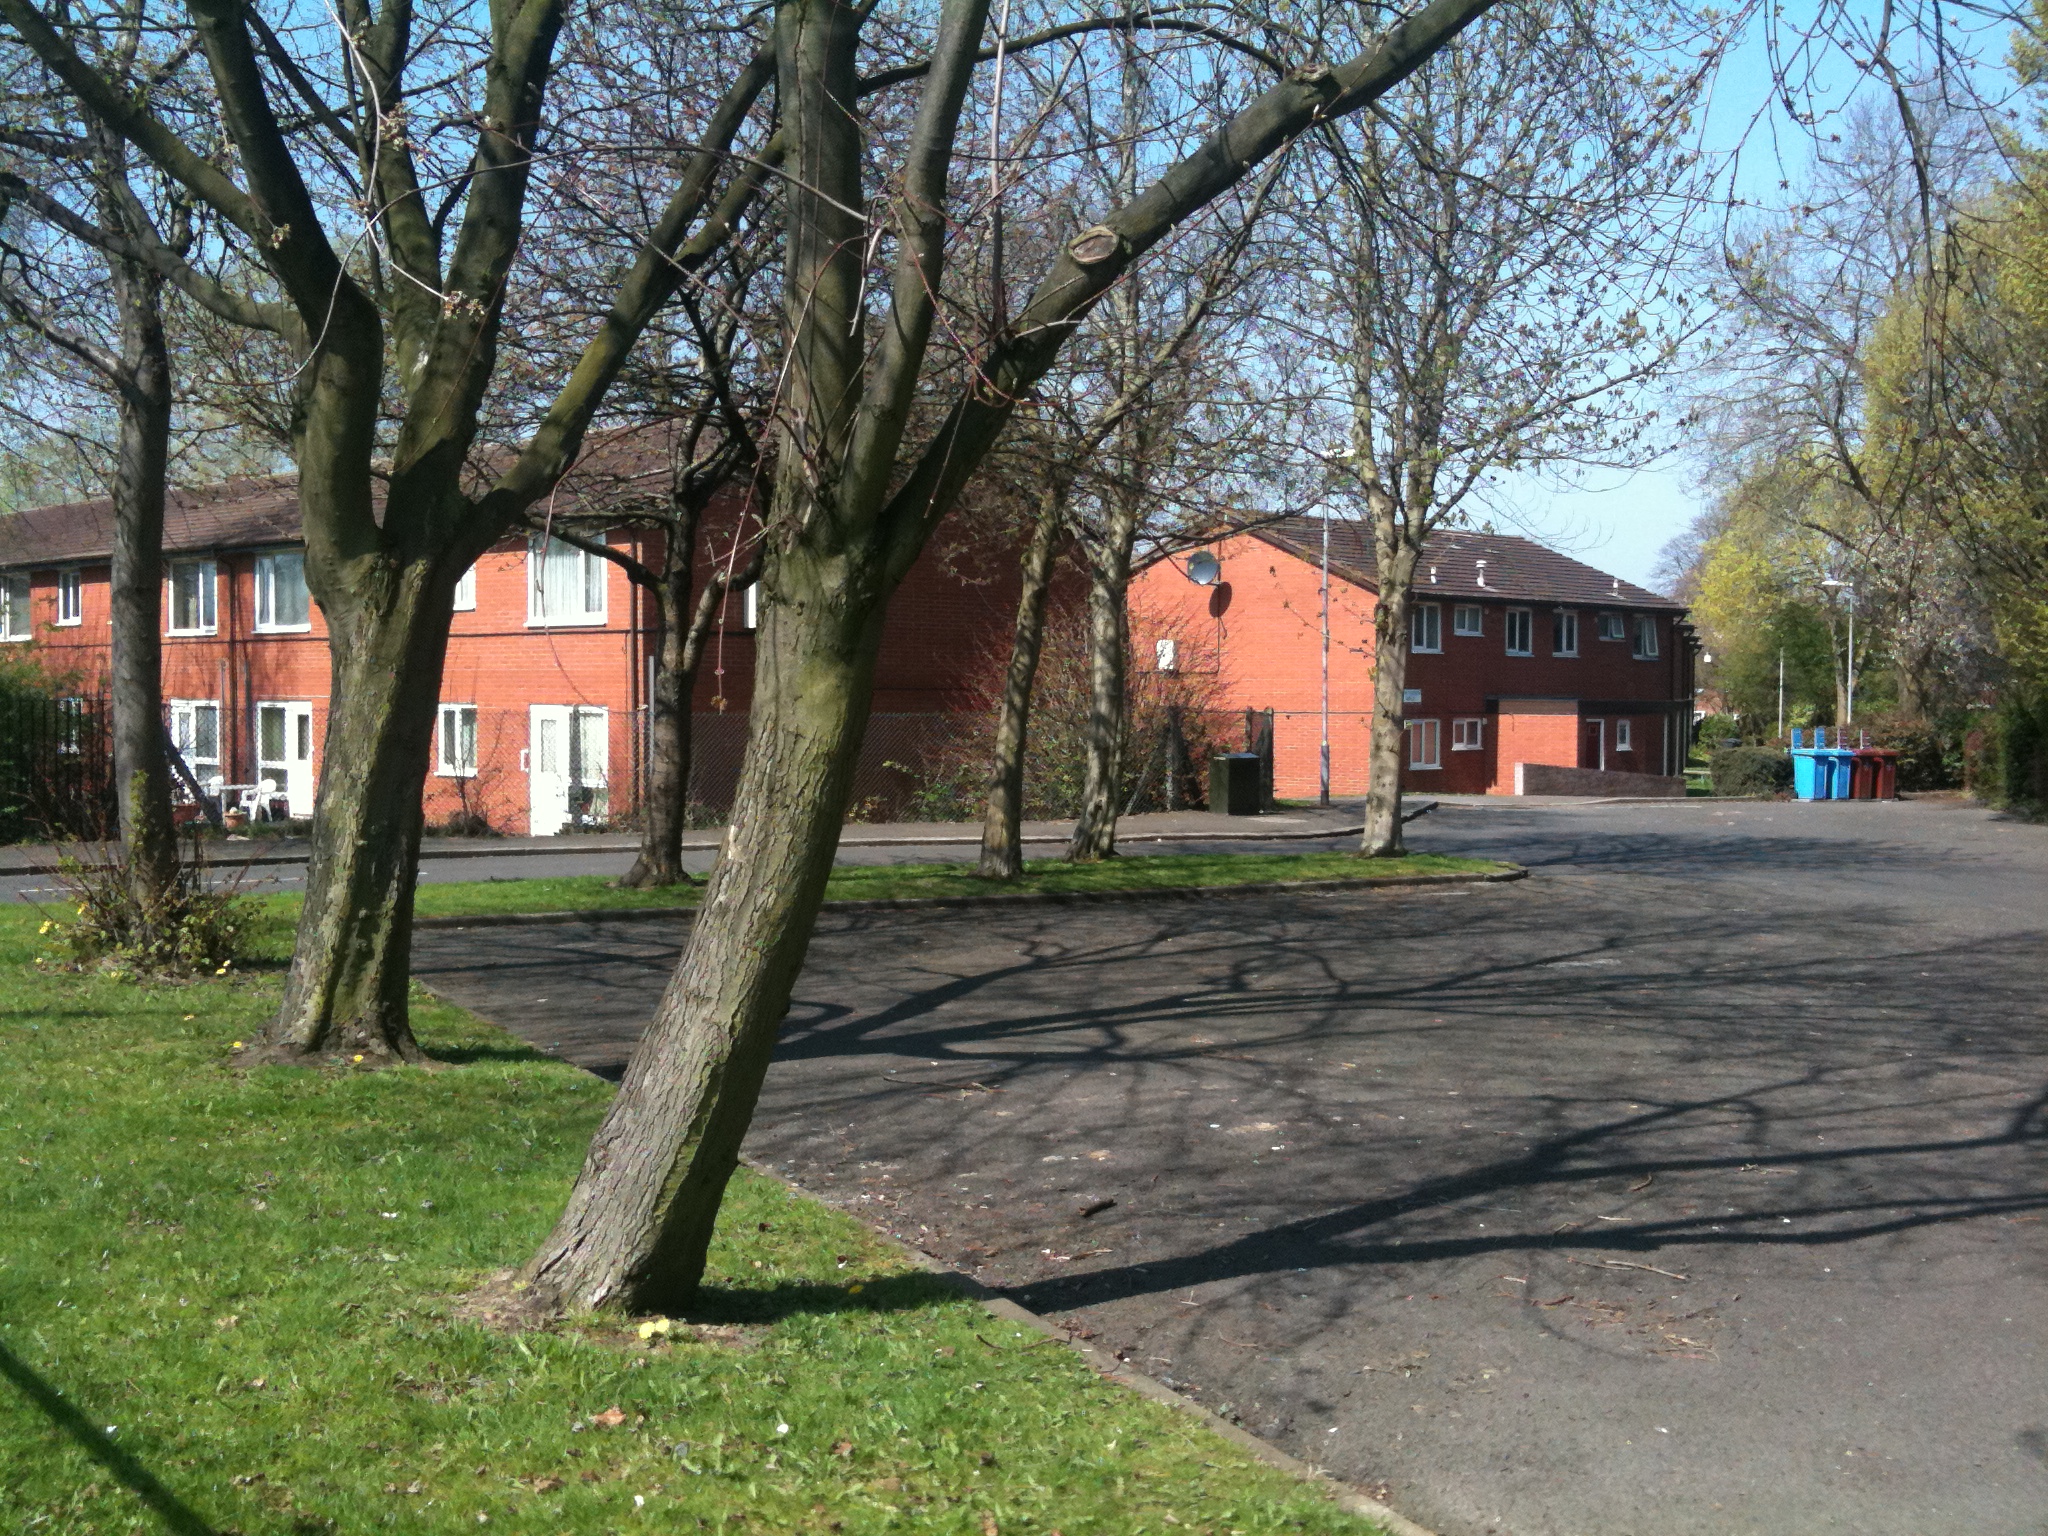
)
(1695, 1185)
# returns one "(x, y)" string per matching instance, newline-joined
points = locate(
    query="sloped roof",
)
(236, 514)
(1514, 570)
(619, 469)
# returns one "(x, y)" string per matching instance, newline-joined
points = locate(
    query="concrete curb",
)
(1352, 1501)
(1020, 899)
(227, 857)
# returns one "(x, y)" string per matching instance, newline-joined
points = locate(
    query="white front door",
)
(566, 769)
(284, 752)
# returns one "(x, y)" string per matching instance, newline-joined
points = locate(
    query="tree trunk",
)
(666, 803)
(1094, 836)
(1396, 558)
(1002, 842)
(640, 1218)
(141, 770)
(346, 990)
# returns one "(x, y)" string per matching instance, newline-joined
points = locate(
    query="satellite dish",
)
(1204, 569)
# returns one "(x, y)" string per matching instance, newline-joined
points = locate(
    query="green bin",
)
(1234, 783)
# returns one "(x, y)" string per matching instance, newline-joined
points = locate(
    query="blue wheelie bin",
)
(1812, 767)
(1842, 773)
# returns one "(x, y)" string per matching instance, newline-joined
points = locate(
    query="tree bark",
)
(1094, 835)
(640, 1219)
(346, 991)
(141, 469)
(1002, 841)
(666, 804)
(1396, 555)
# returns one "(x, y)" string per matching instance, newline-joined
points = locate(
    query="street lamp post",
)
(1324, 798)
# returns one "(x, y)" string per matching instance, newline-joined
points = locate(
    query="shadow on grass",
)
(772, 1304)
(457, 1054)
(93, 1440)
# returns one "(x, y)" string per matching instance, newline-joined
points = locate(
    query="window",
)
(281, 592)
(71, 725)
(458, 741)
(1611, 627)
(1468, 619)
(1426, 627)
(567, 585)
(1520, 633)
(750, 605)
(195, 732)
(71, 597)
(1646, 637)
(1425, 744)
(192, 597)
(1624, 735)
(1167, 654)
(465, 591)
(1468, 735)
(14, 606)
(1564, 633)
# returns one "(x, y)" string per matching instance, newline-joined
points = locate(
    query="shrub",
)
(2018, 753)
(1750, 771)
(196, 926)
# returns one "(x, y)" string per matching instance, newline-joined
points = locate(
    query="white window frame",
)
(1564, 632)
(1613, 626)
(1644, 646)
(454, 767)
(1425, 744)
(14, 606)
(206, 593)
(266, 593)
(1624, 735)
(1523, 619)
(539, 551)
(1469, 734)
(70, 598)
(185, 734)
(750, 606)
(1426, 629)
(465, 591)
(1470, 611)
(1166, 655)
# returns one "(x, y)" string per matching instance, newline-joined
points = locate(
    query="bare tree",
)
(1486, 255)
(854, 504)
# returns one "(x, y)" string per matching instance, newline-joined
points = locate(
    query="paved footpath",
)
(1695, 1185)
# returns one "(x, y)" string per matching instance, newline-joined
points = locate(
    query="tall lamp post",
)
(1324, 799)
(1850, 588)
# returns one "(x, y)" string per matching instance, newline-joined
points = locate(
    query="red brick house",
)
(544, 694)
(1517, 655)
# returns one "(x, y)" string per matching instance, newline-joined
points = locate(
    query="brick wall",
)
(1258, 631)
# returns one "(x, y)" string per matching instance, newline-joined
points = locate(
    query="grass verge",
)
(897, 882)
(229, 1303)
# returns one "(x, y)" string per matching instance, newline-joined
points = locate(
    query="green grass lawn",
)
(893, 882)
(229, 1302)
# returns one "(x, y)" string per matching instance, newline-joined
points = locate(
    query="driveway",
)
(1696, 1184)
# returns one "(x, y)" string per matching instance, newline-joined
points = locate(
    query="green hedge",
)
(1750, 771)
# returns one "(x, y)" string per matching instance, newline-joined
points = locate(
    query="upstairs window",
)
(1611, 627)
(1468, 735)
(193, 584)
(1468, 619)
(14, 606)
(1646, 637)
(1521, 627)
(567, 585)
(1564, 633)
(281, 601)
(71, 597)
(465, 591)
(1426, 627)
(1166, 655)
